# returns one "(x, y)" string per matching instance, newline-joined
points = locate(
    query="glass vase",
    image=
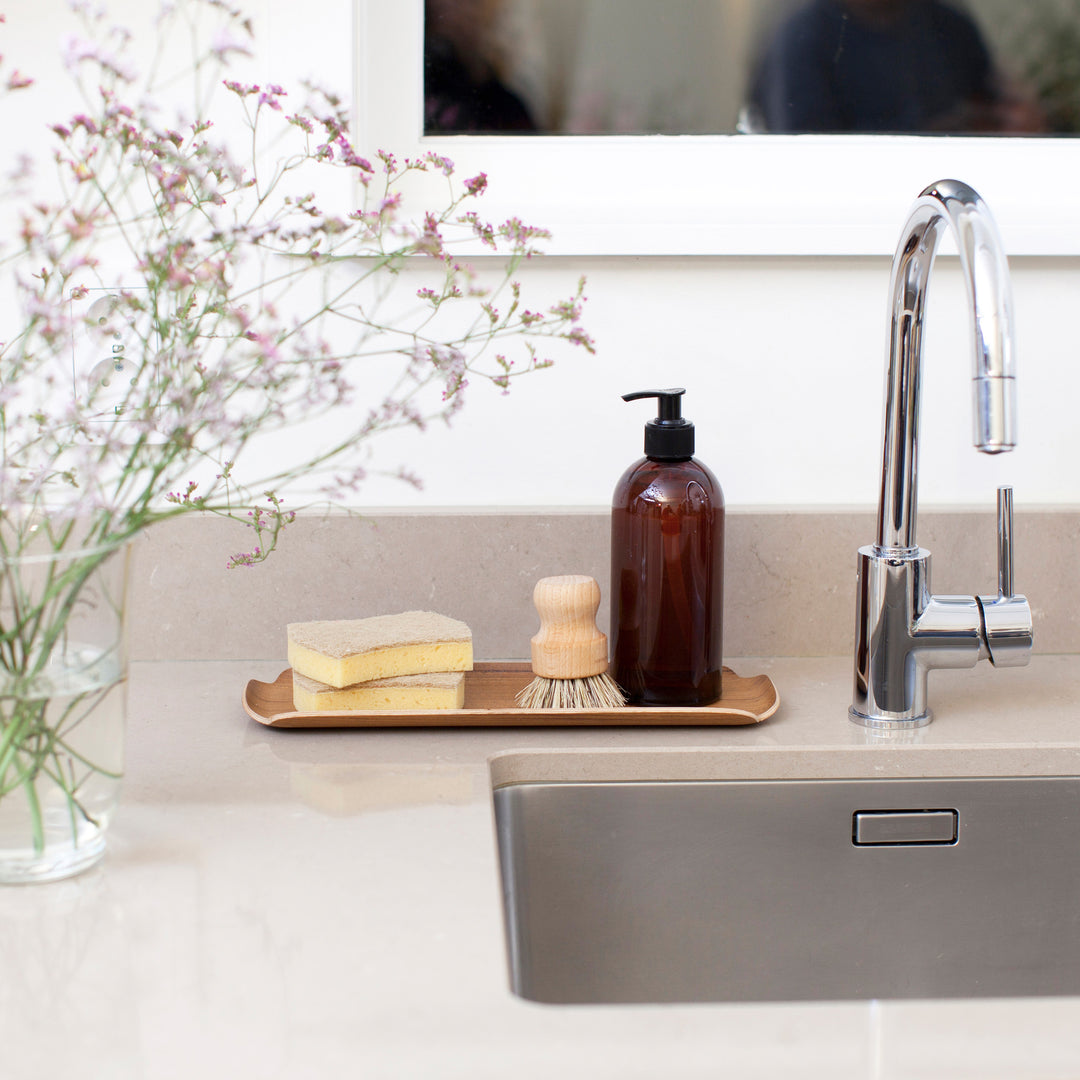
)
(63, 698)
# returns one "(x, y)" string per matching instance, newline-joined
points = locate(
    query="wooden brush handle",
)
(569, 645)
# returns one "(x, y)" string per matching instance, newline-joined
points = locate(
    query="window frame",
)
(698, 195)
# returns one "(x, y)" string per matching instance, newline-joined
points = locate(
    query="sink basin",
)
(773, 890)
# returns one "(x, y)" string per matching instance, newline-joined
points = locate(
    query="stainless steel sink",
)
(791, 890)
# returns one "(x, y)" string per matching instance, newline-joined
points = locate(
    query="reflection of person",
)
(883, 65)
(462, 88)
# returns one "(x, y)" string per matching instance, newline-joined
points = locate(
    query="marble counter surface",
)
(295, 904)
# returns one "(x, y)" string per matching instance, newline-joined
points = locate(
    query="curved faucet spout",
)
(986, 274)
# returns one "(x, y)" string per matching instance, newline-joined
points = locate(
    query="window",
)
(746, 194)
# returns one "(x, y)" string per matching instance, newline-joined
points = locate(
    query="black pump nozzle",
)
(670, 437)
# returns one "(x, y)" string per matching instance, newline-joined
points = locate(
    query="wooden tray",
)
(490, 689)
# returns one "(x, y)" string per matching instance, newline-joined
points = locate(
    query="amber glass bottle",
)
(667, 568)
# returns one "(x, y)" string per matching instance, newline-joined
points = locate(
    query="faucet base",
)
(902, 632)
(881, 723)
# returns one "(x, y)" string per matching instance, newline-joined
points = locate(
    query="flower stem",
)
(37, 825)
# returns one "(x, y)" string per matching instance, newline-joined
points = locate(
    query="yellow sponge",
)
(342, 652)
(437, 690)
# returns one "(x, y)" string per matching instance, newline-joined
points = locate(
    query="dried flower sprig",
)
(229, 302)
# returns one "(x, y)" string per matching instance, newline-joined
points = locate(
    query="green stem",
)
(37, 824)
(10, 744)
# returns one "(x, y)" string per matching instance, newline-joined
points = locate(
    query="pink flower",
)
(270, 97)
(443, 164)
(225, 43)
(240, 89)
(179, 277)
(476, 185)
(79, 226)
(266, 345)
(350, 157)
(87, 123)
(78, 50)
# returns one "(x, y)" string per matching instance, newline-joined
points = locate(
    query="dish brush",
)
(569, 653)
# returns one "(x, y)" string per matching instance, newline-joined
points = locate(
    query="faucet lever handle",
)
(1006, 618)
(1004, 542)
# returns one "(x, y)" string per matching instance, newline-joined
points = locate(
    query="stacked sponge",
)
(413, 660)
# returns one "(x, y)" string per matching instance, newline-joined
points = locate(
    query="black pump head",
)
(669, 437)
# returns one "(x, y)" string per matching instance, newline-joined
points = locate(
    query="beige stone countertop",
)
(307, 904)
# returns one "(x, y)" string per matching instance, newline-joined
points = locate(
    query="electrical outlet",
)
(108, 350)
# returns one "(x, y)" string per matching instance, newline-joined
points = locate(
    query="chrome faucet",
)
(903, 631)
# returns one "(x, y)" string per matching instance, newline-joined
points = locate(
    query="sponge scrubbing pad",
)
(342, 652)
(438, 690)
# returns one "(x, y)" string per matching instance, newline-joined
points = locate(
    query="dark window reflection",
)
(719, 66)
(464, 89)
(885, 66)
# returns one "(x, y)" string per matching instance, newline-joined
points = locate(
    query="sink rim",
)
(883, 759)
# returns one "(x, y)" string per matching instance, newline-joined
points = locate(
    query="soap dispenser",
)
(667, 567)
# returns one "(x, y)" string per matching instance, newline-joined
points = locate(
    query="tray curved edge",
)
(746, 700)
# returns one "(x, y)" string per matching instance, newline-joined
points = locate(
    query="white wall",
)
(783, 361)
(782, 358)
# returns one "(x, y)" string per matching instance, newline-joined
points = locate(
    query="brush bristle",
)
(595, 692)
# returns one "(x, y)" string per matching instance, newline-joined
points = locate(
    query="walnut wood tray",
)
(490, 689)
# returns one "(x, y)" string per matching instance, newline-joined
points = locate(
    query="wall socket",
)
(108, 350)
